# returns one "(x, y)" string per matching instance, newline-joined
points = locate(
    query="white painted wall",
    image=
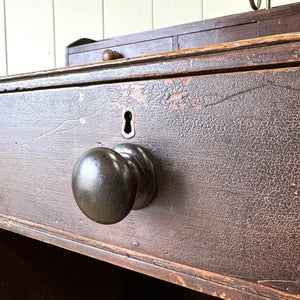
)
(3, 67)
(126, 16)
(75, 19)
(173, 12)
(29, 35)
(34, 33)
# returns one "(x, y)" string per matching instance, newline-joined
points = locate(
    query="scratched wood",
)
(227, 151)
(221, 122)
(259, 53)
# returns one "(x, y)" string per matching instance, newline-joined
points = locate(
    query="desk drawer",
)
(226, 148)
(127, 51)
(264, 22)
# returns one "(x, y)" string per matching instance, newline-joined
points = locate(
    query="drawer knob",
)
(107, 183)
(110, 55)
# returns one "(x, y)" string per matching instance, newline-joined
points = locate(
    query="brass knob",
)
(107, 183)
(110, 55)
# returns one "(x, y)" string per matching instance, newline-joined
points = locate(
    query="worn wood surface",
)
(260, 53)
(137, 49)
(226, 21)
(35, 270)
(260, 23)
(225, 219)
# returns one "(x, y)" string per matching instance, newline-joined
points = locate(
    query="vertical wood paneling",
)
(75, 19)
(29, 26)
(175, 12)
(218, 8)
(2, 40)
(282, 2)
(124, 17)
(35, 33)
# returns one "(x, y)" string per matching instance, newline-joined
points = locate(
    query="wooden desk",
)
(264, 22)
(222, 124)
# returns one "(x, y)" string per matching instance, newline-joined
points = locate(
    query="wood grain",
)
(221, 122)
(280, 25)
(263, 53)
(136, 49)
(217, 36)
(227, 200)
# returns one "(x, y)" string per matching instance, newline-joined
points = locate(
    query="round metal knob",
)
(107, 183)
(110, 55)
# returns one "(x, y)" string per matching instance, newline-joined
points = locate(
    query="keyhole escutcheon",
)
(128, 130)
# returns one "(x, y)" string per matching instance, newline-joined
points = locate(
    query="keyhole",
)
(128, 118)
(128, 123)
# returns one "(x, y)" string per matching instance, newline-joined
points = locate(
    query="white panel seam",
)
(54, 33)
(152, 14)
(103, 21)
(5, 38)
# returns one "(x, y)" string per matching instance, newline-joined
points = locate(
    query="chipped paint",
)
(223, 296)
(80, 98)
(176, 97)
(134, 93)
(186, 80)
(276, 280)
(197, 106)
(168, 81)
(7, 223)
(181, 281)
(137, 93)
(175, 100)
(82, 121)
(68, 76)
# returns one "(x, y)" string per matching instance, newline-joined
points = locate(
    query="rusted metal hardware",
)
(257, 5)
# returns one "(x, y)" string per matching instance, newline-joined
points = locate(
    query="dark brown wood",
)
(263, 53)
(226, 21)
(226, 215)
(279, 25)
(136, 49)
(277, 20)
(221, 35)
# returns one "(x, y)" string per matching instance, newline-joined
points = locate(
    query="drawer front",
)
(126, 51)
(215, 36)
(264, 22)
(227, 149)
